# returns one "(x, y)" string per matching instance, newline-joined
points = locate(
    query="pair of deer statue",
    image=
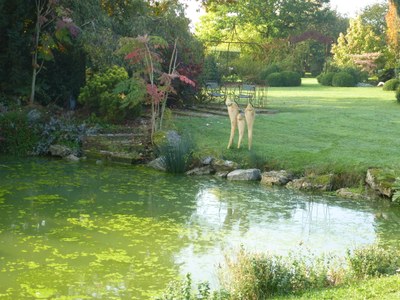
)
(239, 119)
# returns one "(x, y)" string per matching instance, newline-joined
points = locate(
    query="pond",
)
(77, 231)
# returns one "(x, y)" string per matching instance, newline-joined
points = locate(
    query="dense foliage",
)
(72, 36)
(111, 94)
(263, 276)
(343, 79)
(32, 132)
(17, 134)
(286, 78)
(391, 85)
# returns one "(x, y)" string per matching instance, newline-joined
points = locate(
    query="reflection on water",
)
(84, 230)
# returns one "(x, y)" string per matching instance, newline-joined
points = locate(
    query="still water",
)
(79, 231)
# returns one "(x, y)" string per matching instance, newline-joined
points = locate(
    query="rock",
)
(158, 164)
(246, 175)
(207, 160)
(380, 181)
(363, 84)
(222, 174)
(312, 183)
(59, 150)
(281, 177)
(173, 137)
(206, 170)
(72, 158)
(346, 193)
(224, 165)
(34, 115)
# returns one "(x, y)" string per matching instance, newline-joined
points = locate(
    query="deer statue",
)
(238, 119)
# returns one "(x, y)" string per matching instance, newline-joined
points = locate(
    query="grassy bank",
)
(375, 288)
(315, 128)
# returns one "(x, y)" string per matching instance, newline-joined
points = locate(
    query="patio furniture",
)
(214, 91)
(247, 92)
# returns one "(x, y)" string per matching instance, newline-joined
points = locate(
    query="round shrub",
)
(269, 70)
(343, 79)
(391, 84)
(291, 78)
(275, 79)
(111, 94)
(398, 94)
(326, 78)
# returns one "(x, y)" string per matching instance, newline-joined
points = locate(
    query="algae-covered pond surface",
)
(87, 231)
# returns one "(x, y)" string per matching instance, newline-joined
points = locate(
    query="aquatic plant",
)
(177, 154)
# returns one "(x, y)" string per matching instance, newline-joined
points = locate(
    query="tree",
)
(359, 39)
(15, 37)
(146, 50)
(396, 4)
(392, 34)
(270, 24)
(271, 18)
(374, 16)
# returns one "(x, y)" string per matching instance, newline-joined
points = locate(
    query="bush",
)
(18, 135)
(291, 78)
(373, 261)
(269, 70)
(326, 78)
(286, 78)
(398, 94)
(358, 75)
(262, 276)
(343, 79)
(275, 79)
(61, 131)
(111, 94)
(391, 84)
(182, 290)
(210, 70)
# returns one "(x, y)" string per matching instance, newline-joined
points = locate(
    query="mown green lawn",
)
(387, 288)
(315, 128)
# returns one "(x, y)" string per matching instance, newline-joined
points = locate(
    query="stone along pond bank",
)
(128, 149)
(377, 185)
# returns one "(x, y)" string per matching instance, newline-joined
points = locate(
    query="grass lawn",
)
(387, 288)
(316, 128)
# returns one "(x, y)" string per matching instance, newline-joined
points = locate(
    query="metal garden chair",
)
(247, 92)
(214, 91)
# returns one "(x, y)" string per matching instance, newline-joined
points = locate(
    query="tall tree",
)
(392, 34)
(374, 16)
(396, 4)
(271, 18)
(359, 39)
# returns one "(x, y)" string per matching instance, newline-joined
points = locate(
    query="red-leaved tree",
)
(146, 50)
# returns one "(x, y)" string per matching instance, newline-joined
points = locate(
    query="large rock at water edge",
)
(281, 177)
(224, 165)
(381, 181)
(205, 170)
(72, 158)
(59, 150)
(245, 175)
(158, 164)
(348, 194)
(312, 183)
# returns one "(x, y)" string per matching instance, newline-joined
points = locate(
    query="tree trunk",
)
(35, 65)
